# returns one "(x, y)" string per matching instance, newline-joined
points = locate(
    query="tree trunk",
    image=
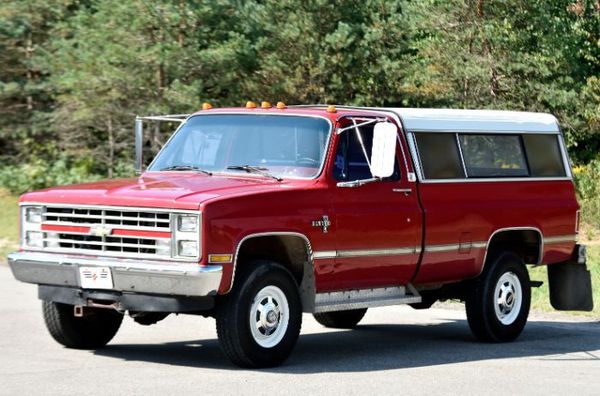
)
(181, 32)
(29, 73)
(111, 147)
(493, 72)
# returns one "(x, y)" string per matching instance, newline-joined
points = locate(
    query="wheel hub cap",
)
(508, 295)
(269, 315)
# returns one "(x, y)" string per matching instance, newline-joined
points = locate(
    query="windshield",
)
(282, 146)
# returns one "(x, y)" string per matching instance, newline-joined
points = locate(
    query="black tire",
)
(92, 331)
(489, 320)
(341, 319)
(425, 304)
(250, 347)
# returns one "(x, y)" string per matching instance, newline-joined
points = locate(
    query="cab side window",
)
(350, 161)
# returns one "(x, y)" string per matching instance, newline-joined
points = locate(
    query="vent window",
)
(439, 156)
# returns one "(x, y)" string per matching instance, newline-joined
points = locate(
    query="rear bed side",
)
(461, 220)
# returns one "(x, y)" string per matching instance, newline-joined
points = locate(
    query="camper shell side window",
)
(472, 155)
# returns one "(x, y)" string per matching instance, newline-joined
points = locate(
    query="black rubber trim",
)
(125, 301)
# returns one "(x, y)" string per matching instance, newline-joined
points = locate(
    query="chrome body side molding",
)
(560, 239)
(399, 251)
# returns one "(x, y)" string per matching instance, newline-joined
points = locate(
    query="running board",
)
(366, 298)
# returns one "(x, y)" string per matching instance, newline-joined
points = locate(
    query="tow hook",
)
(78, 311)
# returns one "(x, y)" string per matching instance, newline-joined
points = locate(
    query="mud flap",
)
(571, 284)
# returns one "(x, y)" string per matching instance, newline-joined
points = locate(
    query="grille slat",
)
(120, 227)
(78, 219)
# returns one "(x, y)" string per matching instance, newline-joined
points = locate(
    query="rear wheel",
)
(341, 319)
(91, 331)
(498, 303)
(259, 322)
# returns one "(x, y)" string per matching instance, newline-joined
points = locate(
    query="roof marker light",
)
(281, 105)
(206, 106)
(331, 109)
(265, 105)
(250, 105)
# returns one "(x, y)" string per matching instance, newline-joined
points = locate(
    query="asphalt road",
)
(394, 349)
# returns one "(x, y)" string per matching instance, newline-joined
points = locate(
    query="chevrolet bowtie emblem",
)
(324, 222)
(100, 231)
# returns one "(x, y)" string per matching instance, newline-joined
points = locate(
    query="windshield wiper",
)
(186, 168)
(254, 169)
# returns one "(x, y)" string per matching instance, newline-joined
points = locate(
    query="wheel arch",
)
(291, 249)
(526, 242)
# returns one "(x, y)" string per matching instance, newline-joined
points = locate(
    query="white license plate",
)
(95, 278)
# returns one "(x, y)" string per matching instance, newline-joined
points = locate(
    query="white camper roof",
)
(449, 120)
(456, 120)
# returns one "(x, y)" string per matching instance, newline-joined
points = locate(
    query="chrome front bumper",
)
(171, 278)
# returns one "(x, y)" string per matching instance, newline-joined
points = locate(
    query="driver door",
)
(378, 223)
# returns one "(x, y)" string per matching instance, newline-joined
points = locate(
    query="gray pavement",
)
(395, 349)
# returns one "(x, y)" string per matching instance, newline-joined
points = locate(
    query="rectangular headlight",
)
(186, 235)
(187, 223)
(187, 248)
(34, 239)
(33, 214)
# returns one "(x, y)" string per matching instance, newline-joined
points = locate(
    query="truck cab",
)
(255, 215)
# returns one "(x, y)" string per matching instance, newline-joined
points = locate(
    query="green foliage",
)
(9, 226)
(587, 181)
(74, 73)
(39, 173)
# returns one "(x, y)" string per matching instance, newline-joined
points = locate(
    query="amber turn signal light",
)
(250, 105)
(281, 105)
(331, 109)
(265, 105)
(206, 106)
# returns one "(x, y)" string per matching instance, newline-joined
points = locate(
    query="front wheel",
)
(259, 322)
(498, 303)
(91, 331)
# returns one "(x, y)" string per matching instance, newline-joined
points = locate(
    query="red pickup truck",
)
(255, 215)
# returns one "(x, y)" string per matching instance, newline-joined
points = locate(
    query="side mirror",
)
(383, 154)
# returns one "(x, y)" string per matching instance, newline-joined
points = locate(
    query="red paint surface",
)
(140, 234)
(368, 217)
(65, 228)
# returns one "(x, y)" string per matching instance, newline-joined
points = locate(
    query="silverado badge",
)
(324, 222)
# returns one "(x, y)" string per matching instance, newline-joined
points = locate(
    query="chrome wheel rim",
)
(269, 316)
(508, 298)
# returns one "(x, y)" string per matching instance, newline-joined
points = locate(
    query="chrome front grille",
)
(135, 232)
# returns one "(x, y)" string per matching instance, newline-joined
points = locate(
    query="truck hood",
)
(181, 190)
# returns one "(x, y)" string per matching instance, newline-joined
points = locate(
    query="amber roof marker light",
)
(331, 109)
(281, 105)
(265, 105)
(206, 106)
(250, 105)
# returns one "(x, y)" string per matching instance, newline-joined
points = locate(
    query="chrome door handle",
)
(406, 191)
